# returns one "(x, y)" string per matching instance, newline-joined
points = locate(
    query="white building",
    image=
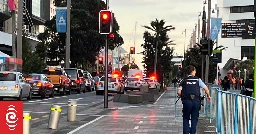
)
(235, 11)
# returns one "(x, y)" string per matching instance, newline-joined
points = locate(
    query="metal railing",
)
(233, 113)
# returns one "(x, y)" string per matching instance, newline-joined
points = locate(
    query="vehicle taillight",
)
(77, 81)
(81, 80)
(16, 87)
(116, 84)
(60, 79)
(97, 83)
(39, 84)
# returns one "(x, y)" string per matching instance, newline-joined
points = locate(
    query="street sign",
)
(249, 33)
(232, 30)
(61, 19)
(217, 56)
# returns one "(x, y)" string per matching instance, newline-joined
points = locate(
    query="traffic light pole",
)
(19, 29)
(106, 68)
(254, 91)
(207, 58)
(106, 75)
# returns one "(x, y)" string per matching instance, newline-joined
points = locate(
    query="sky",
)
(181, 14)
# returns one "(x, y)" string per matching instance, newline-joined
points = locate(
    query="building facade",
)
(239, 41)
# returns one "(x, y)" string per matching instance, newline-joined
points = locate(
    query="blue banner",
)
(215, 28)
(61, 19)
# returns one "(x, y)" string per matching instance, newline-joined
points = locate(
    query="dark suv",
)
(77, 81)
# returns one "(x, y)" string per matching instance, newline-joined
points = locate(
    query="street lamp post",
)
(208, 36)
(155, 61)
(239, 72)
(68, 35)
(185, 33)
(245, 71)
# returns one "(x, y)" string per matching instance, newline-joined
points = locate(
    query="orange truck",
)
(59, 79)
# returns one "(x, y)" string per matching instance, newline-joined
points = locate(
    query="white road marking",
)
(136, 127)
(50, 98)
(140, 122)
(45, 99)
(56, 97)
(159, 97)
(43, 102)
(77, 129)
(64, 96)
(32, 101)
(38, 100)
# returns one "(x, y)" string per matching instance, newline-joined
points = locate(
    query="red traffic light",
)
(106, 15)
(132, 50)
(100, 58)
(111, 35)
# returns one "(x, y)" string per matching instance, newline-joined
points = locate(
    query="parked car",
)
(77, 79)
(133, 83)
(59, 79)
(40, 85)
(89, 82)
(13, 85)
(114, 86)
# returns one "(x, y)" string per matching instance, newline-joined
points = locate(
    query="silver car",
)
(13, 85)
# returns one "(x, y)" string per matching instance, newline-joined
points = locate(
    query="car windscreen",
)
(132, 79)
(55, 72)
(7, 77)
(72, 73)
(33, 77)
(149, 80)
(102, 79)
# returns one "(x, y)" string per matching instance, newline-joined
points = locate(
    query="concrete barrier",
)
(116, 97)
(135, 99)
(124, 98)
(154, 91)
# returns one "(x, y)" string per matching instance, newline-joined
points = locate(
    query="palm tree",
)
(158, 27)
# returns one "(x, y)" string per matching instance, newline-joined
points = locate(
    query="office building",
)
(236, 33)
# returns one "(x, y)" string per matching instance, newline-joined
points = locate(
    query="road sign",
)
(61, 19)
(249, 33)
(217, 56)
(232, 30)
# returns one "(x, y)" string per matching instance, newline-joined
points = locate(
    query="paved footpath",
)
(156, 118)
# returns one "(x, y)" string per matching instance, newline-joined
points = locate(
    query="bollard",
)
(54, 117)
(26, 122)
(72, 110)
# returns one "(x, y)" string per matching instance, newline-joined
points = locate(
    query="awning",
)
(230, 64)
(3, 54)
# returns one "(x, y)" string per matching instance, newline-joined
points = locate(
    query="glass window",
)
(242, 9)
(34, 77)
(132, 79)
(56, 72)
(71, 72)
(7, 77)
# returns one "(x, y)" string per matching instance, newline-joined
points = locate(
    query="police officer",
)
(189, 91)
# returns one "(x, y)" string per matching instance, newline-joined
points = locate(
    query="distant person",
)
(225, 83)
(189, 92)
(249, 85)
(175, 81)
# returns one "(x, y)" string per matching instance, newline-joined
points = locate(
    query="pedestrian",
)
(249, 85)
(189, 91)
(225, 83)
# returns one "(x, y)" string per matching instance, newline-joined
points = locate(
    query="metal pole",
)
(155, 62)
(97, 65)
(19, 29)
(68, 35)
(118, 56)
(106, 75)
(198, 40)
(185, 32)
(14, 55)
(217, 75)
(208, 36)
(202, 69)
(254, 91)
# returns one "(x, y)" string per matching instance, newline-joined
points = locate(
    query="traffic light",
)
(100, 59)
(111, 36)
(105, 21)
(132, 50)
(204, 46)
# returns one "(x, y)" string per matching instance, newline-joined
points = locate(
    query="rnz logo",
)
(11, 117)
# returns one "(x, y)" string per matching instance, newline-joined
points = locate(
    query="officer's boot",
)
(185, 132)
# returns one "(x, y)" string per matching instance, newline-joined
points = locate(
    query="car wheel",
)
(20, 96)
(63, 91)
(97, 93)
(89, 89)
(69, 91)
(52, 93)
(78, 90)
(29, 96)
(84, 90)
(43, 95)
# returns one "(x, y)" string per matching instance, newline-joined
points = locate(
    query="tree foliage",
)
(193, 57)
(164, 52)
(248, 65)
(31, 61)
(86, 41)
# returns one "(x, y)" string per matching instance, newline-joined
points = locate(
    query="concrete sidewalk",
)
(133, 119)
(156, 118)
